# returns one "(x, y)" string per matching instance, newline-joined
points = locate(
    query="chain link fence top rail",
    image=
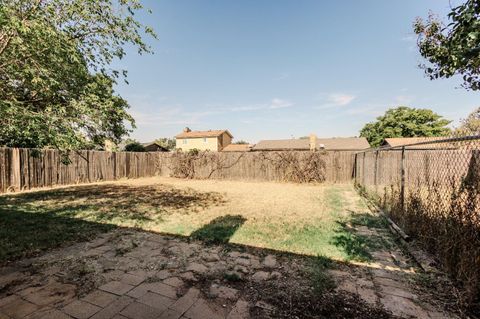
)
(432, 190)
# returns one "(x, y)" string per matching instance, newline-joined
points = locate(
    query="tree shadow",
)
(24, 233)
(358, 236)
(34, 221)
(108, 202)
(219, 230)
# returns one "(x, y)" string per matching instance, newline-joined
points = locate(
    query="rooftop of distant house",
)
(408, 141)
(332, 144)
(187, 133)
(237, 148)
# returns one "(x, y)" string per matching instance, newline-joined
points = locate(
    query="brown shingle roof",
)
(209, 133)
(335, 143)
(237, 148)
(402, 141)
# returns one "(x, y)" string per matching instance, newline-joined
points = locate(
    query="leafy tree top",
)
(452, 48)
(168, 143)
(134, 147)
(471, 124)
(405, 122)
(57, 88)
(241, 142)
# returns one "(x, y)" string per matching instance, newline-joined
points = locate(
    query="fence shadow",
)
(356, 237)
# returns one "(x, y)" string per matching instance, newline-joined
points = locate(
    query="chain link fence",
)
(432, 190)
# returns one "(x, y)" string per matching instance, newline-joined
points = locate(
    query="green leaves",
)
(453, 49)
(56, 88)
(405, 122)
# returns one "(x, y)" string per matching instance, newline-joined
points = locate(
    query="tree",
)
(168, 143)
(405, 122)
(56, 86)
(452, 49)
(470, 125)
(241, 142)
(134, 147)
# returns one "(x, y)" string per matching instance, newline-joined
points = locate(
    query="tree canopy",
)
(471, 124)
(168, 143)
(405, 122)
(241, 142)
(56, 85)
(452, 48)
(134, 146)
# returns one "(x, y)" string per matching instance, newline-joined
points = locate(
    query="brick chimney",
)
(313, 142)
(186, 130)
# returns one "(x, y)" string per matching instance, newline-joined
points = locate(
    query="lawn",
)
(303, 219)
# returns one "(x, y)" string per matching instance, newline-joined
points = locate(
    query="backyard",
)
(293, 218)
(230, 248)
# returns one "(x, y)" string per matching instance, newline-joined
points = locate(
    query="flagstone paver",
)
(156, 301)
(81, 309)
(113, 308)
(240, 310)
(18, 308)
(48, 313)
(201, 309)
(138, 310)
(116, 287)
(100, 298)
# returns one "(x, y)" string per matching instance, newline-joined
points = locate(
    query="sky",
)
(282, 68)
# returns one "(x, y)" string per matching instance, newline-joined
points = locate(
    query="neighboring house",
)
(237, 148)
(154, 147)
(405, 141)
(212, 140)
(314, 143)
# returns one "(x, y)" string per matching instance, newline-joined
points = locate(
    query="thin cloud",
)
(341, 99)
(277, 103)
(282, 76)
(335, 100)
(403, 99)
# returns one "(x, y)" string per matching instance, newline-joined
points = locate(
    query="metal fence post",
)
(363, 169)
(375, 174)
(402, 180)
(355, 169)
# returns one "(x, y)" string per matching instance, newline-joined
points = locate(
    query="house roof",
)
(209, 133)
(155, 144)
(237, 148)
(402, 141)
(335, 143)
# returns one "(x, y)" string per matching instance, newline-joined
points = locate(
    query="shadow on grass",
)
(35, 221)
(105, 202)
(357, 238)
(219, 230)
(24, 233)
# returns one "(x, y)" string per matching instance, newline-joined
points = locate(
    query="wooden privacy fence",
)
(22, 169)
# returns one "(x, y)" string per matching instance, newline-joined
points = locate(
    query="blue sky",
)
(282, 68)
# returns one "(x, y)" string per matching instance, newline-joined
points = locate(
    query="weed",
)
(232, 276)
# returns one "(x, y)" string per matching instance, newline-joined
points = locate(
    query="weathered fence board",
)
(22, 169)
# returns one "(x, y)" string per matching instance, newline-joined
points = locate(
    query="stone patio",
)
(133, 274)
